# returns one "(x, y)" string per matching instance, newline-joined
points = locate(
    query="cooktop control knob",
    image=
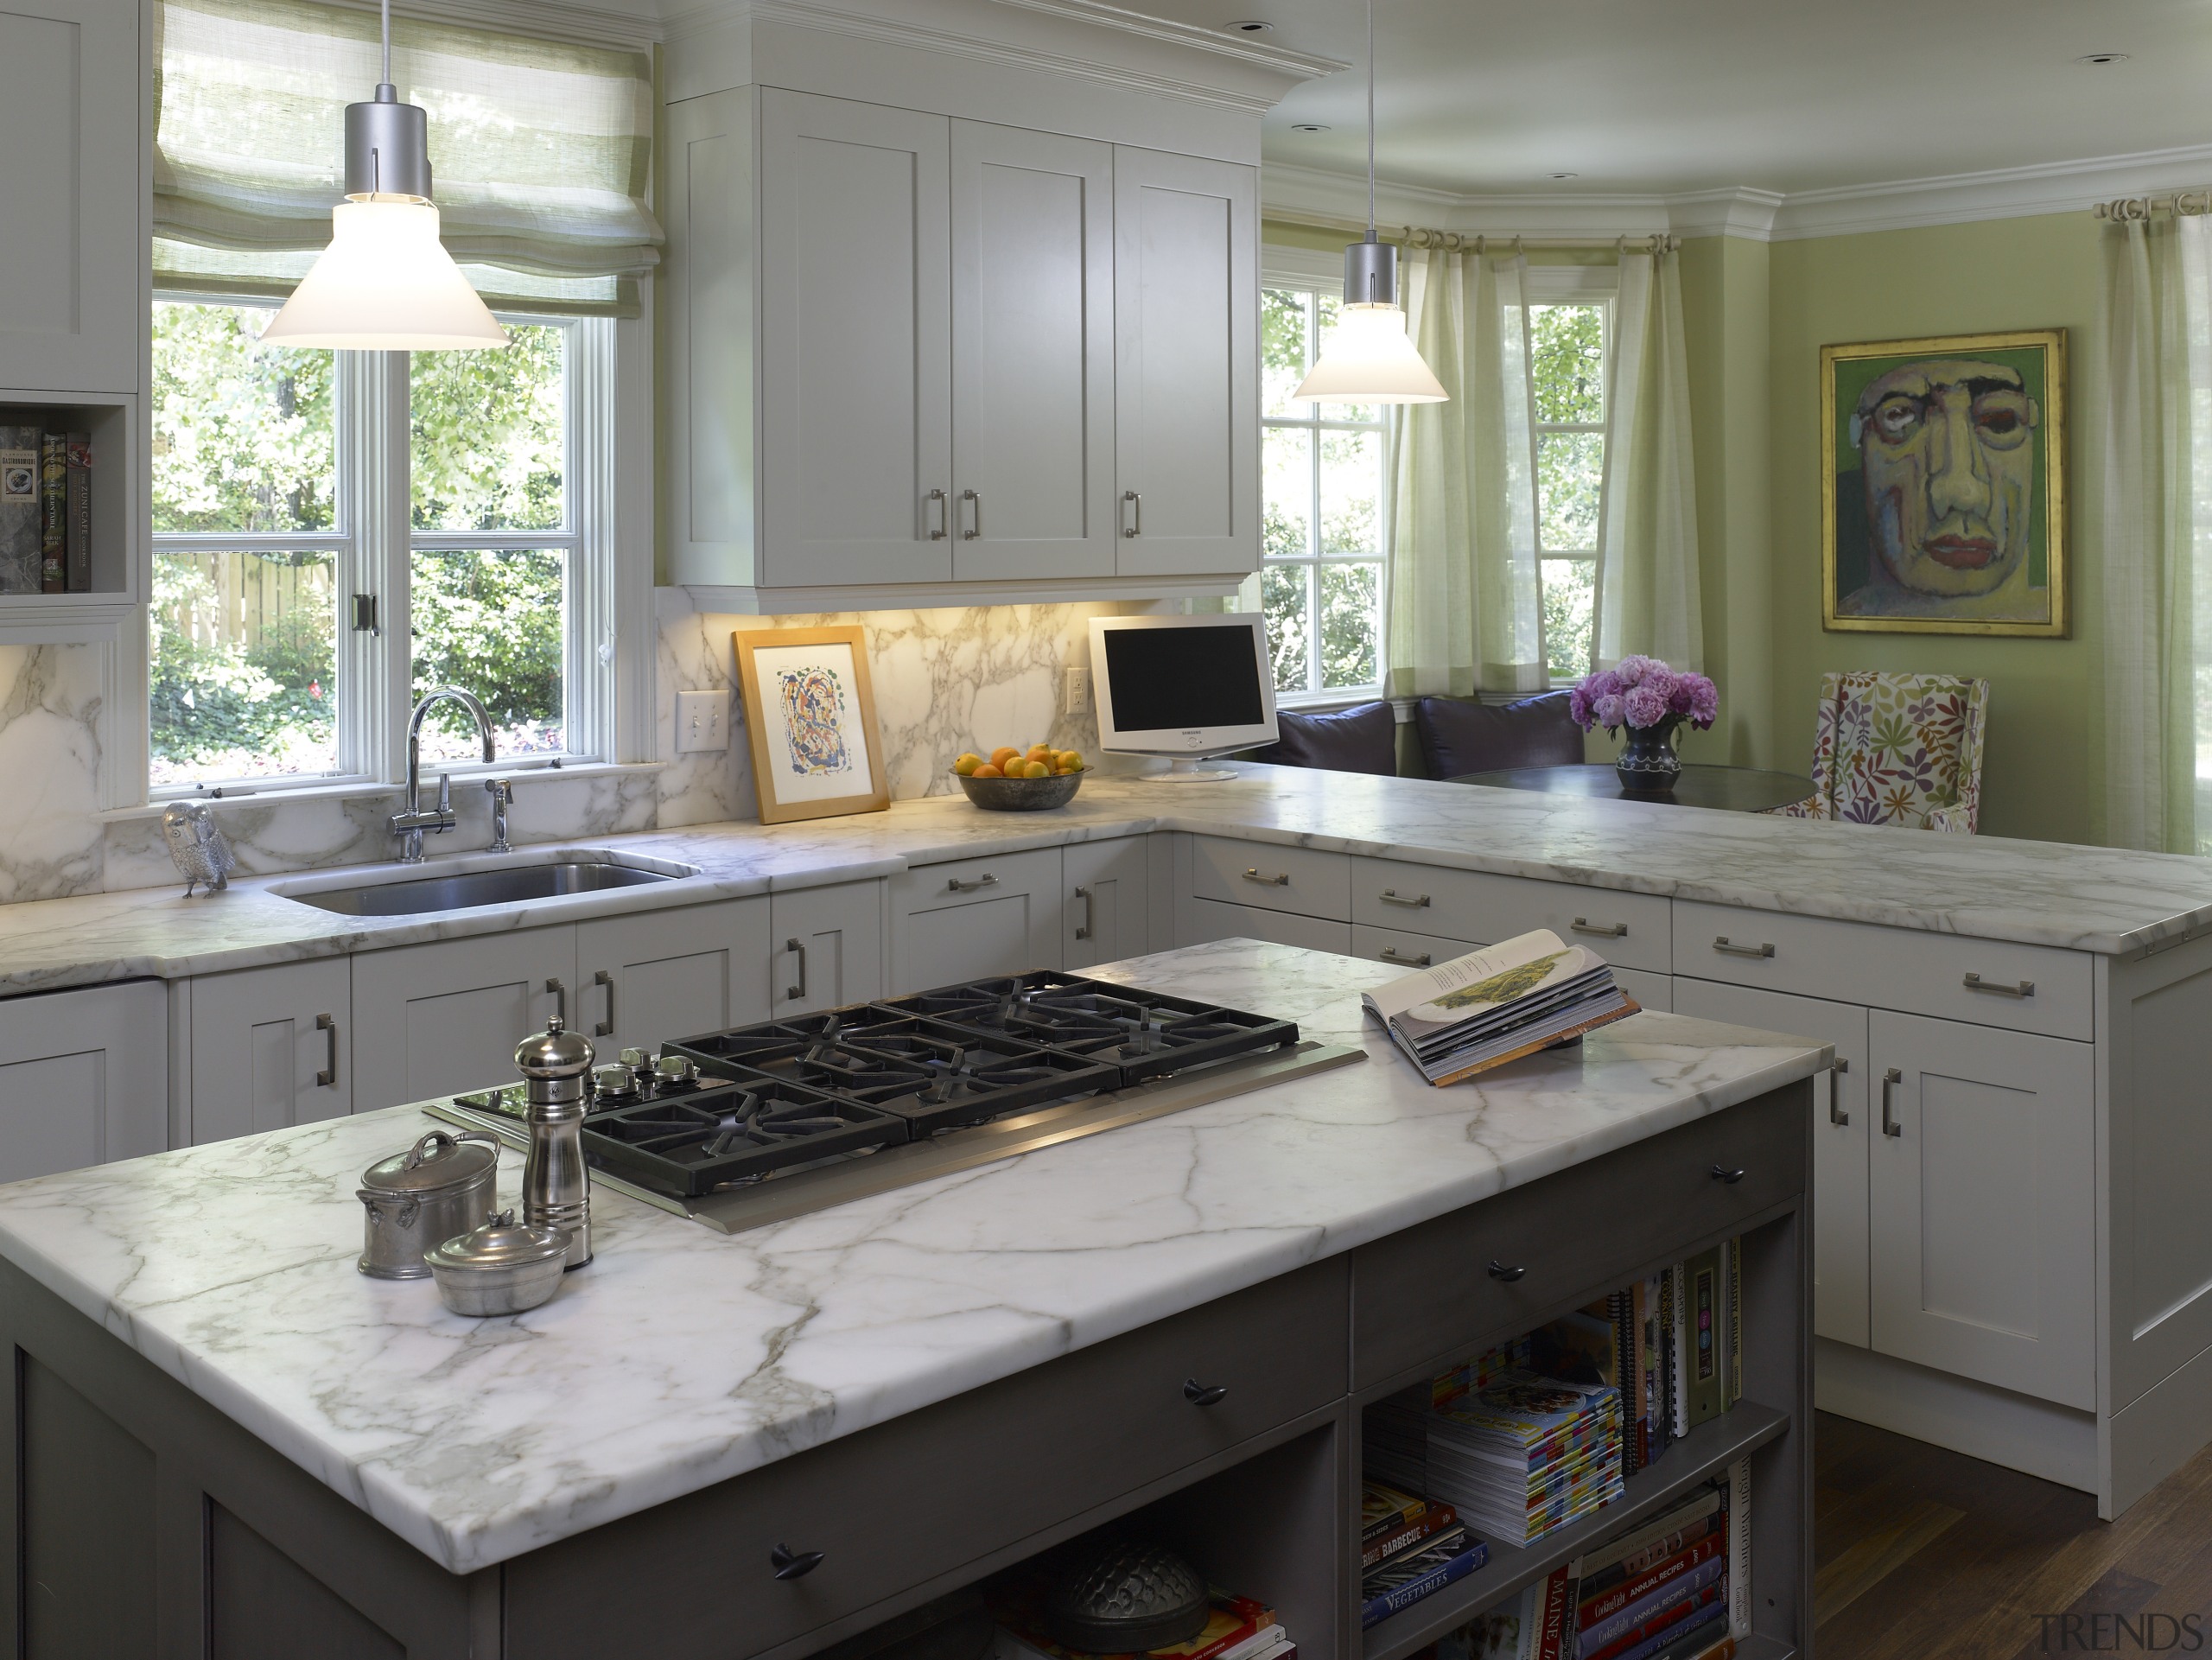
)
(613, 1081)
(675, 1069)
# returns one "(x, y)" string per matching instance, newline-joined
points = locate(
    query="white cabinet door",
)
(1033, 364)
(645, 978)
(434, 1020)
(84, 1077)
(271, 1047)
(974, 918)
(825, 947)
(1841, 1127)
(1984, 1205)
(856, 341)
(1187, 377)
(1106, 908)
(73, 252)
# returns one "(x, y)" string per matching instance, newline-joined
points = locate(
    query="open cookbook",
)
(1499, 1004)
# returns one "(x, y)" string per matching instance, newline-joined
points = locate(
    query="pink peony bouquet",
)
(1642, 692)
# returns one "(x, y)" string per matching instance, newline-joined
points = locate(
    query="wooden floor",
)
(1921, 1553)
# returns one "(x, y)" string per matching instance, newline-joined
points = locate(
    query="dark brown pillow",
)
(1361, 738)
(1458, 735)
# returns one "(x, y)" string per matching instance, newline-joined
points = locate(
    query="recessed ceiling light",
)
(1309, 126)
(2103, 57)
(1566, 175)
(1248, 26)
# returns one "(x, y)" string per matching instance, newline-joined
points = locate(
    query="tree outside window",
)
(1566, 373)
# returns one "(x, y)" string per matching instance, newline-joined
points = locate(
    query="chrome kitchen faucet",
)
(408, 826)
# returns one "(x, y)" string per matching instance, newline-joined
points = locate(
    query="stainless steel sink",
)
(467, 890)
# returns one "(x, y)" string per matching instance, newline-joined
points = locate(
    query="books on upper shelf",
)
(1419, 1570)
(1237, 1628)
(1497, 1004)
(1526, 1454)
(45, 511)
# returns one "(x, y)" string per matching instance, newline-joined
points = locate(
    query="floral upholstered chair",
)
(1898, 749)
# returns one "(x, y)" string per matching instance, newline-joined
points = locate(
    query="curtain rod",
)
(1418, 237)
(2187, 203)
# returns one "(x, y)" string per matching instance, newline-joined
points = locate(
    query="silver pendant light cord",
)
(387, 55)
(1370, 105)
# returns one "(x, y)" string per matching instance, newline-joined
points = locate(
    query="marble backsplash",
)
(944, 681)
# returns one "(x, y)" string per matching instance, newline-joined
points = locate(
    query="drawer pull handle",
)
(1889, 1125)
(1722, 945)
(1503, 1275)
(1392, 896)
(1721, 1173)
(1090, 913)
(560, 999)
(1836, 1113)
(328, 1078)
(1203, 1395)
(1611, 930)
(606, 1027)
(953, 884)
(1252, 874)
(2025, 988)
(1389, 954)
(793, 1564)
(798, 949)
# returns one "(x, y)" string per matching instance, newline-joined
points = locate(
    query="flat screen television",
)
(1188, 688)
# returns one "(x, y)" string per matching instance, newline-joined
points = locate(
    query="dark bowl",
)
(1021, 794)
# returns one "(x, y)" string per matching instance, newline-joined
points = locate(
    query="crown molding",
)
(2006, 193)
(637, 26)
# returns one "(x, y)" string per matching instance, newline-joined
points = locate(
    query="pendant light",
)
(1367, 357)
(385, 284)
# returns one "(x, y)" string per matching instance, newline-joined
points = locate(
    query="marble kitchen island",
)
(223, 1429)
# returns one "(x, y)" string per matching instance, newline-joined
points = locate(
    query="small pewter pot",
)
(502, 1268)
(436, 1191)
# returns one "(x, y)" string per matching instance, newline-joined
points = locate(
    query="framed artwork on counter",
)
(810, 718)
(1943, 485)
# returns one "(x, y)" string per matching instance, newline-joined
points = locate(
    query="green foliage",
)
(486, 435)
(223, 706)
(243, 434)
(1569, 602)
(491, 623)
(1282, 601)
(1566, 363)
(1349, 597)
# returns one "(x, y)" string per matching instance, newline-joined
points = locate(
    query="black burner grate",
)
(729, 1134)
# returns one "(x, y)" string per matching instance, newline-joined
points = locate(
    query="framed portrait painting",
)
(809, 717)
(1943, 485)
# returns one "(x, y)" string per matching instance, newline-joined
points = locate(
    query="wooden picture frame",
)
(810, 717)
(1944, 486)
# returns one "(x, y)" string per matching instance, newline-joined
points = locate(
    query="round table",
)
(1732, 789)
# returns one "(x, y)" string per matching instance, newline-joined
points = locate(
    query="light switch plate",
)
(702, 720)
(1077, 700)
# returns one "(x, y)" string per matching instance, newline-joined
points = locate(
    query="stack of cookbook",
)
(1497, 1004)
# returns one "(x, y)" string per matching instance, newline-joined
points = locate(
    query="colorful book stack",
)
(1237, 1628)
(1410, 1547)
(45, 511)
(1526, 1454)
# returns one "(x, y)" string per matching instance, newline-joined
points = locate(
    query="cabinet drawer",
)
(970, 919)
(901, 1503)
(1630, 930)
(1205, 919)
(1982, 982)
(1421, 1297)
(1305, 880)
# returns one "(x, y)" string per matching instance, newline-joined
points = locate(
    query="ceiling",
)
(1487, 97)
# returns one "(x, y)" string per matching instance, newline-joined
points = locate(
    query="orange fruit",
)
(967, 764)
(987, 771)
(1004, 754)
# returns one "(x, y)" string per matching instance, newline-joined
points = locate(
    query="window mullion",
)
(372, 709)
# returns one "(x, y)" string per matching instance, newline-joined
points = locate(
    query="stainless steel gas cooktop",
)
(759, 1123)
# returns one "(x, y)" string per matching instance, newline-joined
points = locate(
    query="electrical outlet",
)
(1077, 701)
(702, 720)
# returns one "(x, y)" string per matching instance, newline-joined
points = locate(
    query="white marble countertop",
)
(2088, 899)
(683, 1356)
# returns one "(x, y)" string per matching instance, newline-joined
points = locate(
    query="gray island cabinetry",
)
(227, 1443)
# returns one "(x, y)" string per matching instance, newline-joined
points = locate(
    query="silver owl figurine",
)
(197, 845)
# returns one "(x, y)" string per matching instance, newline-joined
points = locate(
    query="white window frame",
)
(1549, 285)
(1319, 273)
(607, 665)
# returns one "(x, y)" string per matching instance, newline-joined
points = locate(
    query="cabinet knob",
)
(1204, 1394)
(1721, 1173)
(793, 1565)
(1503, 1275)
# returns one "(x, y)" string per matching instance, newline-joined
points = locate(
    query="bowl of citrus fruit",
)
(1020, 781)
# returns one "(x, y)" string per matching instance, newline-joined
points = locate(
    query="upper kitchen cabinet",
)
(73, 198)
(951, 327)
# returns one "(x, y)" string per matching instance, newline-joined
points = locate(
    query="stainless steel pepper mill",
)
(555, 1185)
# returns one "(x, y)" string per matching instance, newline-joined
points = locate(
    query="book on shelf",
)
(1659, 1611)
(1738, 1501)
(1695, 1518)
(1237, 1628)
(53, 512)
(1526, 1454)
(1497, 1004)
(1431, 1521)
(1536, 1625)
(1384, 1510)
(1624, 1595)
(1708, 1611)
(1406, 1578)
(78, 532)
(21, 529)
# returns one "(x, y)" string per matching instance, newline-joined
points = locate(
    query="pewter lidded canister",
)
(556, 1065)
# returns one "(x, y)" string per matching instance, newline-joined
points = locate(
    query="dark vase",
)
(1647, 764)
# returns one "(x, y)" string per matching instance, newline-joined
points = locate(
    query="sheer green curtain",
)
(540, 150)
(1465, 609)
(1647, 562)
(2157, 318)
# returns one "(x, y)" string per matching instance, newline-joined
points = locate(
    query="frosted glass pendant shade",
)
(1367, 359)
(385, 284)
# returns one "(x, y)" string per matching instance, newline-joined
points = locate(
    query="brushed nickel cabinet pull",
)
(1389, 954)
(1889, 1080)
(560, 999)
(976, 522)
(328, 1078)
(1090, 913)
(606, 1027)
(955, 885)
(1392, 896)
(1135, 526)
(798, 950)
(1609, 931)
(1722, 944)
(936, 498)
(2025, 988)
(1252, 874)
(1836, 1113)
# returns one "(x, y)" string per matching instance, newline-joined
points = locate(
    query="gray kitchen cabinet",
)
(825, 946)
(1187, 291)
(72, 258)
(1107, 893)
(84, 1077)
(1983, 1258)
(644, 978)
(855, 268)
(270, 1047)
(431, 1019)
(1033, 364)
(974, 918)
(1199, 920)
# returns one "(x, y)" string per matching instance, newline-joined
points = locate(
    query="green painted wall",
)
(2041, 775)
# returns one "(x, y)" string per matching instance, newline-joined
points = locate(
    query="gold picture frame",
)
(809, 719)
(1912, 557)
